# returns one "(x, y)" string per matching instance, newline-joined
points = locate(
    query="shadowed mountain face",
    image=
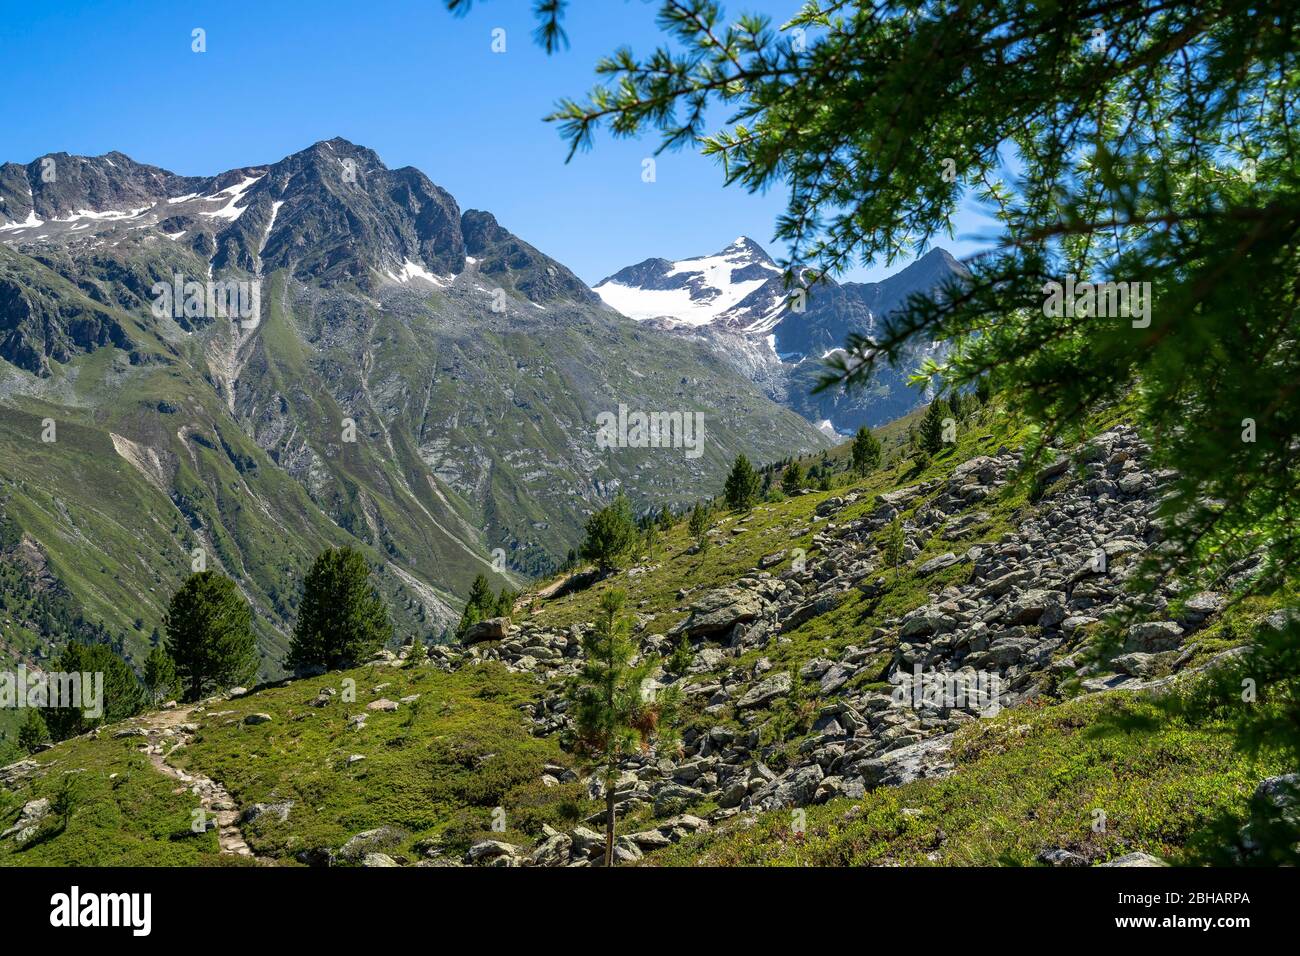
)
(736, 302)
(391, 373)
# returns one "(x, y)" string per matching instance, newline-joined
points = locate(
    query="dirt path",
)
(169, 730)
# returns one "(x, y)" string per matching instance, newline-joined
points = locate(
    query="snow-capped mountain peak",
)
(698, 291)
(737, 302)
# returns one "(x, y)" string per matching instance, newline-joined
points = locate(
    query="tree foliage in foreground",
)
(1108, 140)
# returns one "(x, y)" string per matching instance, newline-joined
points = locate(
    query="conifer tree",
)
(866, 451)
(613, 719)
(893, 543)
(479, 606)
(159, 674)
(742, 487)
(418, 654)
(699, 526)
(930, 432)
(792, 480)
(33, 734)
(122, 694)
(610, 534)
(342, 620)
(665, 519)
(210, 635)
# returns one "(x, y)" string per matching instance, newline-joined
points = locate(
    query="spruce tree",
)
(610, 534)
(792, 480)
(33, 734)
(505, 602)
(893, 543)
(210, 635)
(123, 696)
(650, 538)
(342, 620)
(418, 654)
(699, 526)
(159, 675)
(866, 452)
(930, 433)
(741, 490)
(665, 519)
(478, 606)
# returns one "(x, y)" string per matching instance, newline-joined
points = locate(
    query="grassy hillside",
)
(433, 771)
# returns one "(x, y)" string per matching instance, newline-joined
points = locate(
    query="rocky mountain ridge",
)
(411, 378)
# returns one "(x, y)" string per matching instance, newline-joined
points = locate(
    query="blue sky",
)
(417, 85)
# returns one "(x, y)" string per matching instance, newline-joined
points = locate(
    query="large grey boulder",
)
(1140, 664)
(586, 842)
(778, 685)
(945, 560)
(260, 813)
(794, 788)
(1154, 636)
(900, 498)
(17, 773)
(493, 629)
(925, 621)
(29, 821)
(674, 798)
(552, 851)
(924, 759)
(487, 850)
(1037, 606)
(822, 604)
(720, 610)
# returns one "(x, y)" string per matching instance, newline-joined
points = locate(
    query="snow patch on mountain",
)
(31, 222)
(232, 210)
(413, 270)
